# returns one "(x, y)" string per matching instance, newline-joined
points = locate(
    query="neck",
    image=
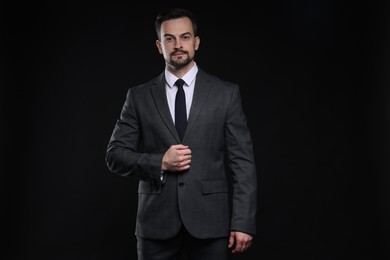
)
(181, 71)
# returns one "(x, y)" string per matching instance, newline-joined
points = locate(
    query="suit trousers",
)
(183, 246)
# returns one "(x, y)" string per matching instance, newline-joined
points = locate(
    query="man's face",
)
(178, 42)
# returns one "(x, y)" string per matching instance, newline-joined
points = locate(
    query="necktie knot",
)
(179, 83)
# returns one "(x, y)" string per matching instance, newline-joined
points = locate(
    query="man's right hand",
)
(177, 158)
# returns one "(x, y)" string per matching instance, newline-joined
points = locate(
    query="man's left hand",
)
(239, 241)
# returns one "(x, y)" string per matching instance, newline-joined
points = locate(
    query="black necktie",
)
(180, 109)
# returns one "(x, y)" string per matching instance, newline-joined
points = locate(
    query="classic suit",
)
(220, 142)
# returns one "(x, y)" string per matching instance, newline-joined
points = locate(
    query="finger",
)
(176, 146)
(245, 247)
(183, 168)
(184, 151)
(181, 147)
(183, 158)
(180, 155)
(231, 240)
(247, 243)
(184, 163)
(187, 154)
(186, 158)
(239, 246)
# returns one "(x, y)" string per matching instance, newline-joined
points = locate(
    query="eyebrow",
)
(168, 34)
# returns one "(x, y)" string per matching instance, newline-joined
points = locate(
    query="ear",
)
(197, 42)
(158, 44)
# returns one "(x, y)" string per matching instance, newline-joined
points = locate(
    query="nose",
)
(178, 44)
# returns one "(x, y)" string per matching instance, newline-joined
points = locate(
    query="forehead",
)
(177, 26)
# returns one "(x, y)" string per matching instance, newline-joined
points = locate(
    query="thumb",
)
(231, 239)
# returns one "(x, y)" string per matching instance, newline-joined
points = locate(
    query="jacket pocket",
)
(145, 187)
(214, 186)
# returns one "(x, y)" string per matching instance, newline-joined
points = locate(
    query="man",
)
(182, 162)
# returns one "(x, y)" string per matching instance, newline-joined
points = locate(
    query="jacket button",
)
(181, 184)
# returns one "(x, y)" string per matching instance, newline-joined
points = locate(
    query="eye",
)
(168, 39)
(186, 37)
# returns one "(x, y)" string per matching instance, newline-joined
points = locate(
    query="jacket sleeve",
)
(242, 165)
(123, 156)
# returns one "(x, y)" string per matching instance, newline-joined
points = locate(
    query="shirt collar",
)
(188, 78)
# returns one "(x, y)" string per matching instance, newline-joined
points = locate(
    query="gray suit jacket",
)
(220, 142)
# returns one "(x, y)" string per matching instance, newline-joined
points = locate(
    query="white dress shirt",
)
(171, 89)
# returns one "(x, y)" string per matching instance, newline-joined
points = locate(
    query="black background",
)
(314, 81)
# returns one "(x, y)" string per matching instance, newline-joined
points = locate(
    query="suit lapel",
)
(201, 92)
(160, 99)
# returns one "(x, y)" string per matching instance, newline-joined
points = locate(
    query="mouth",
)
(179, 53)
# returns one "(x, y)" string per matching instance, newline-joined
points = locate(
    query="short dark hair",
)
(173, 13)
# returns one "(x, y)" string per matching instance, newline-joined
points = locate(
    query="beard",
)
(181, 62)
